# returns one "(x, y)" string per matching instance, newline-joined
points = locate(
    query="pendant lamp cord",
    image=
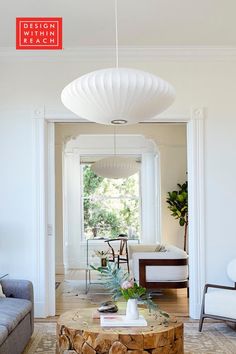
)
(114, 140)
(116, 24)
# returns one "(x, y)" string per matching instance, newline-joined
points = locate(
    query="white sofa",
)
(153, 269)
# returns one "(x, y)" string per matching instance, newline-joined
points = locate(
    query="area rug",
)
(43, 339)
(75, 289)
(215, 338)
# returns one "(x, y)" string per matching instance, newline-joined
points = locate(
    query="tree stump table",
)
(79, 332)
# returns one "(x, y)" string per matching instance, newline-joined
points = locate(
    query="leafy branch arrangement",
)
(178, 205)
(119, 284)
(101, 254)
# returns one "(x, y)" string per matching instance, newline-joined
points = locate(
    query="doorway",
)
(161, 151)
(195, 134)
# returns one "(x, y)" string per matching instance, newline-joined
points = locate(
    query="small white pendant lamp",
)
(115, 166)
(118, 95)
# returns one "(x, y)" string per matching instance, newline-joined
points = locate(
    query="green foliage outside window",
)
(110, 206)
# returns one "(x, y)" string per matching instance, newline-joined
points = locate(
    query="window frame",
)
(82, 198)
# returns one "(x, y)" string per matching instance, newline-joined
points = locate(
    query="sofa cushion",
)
(3, 334)
(172, 252)
(12, 311)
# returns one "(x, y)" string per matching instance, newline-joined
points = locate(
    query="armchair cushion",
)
(221, 302)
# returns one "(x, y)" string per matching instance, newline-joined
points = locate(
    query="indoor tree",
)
(178, 205)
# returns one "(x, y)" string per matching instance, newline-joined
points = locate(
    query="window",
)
(110, 206)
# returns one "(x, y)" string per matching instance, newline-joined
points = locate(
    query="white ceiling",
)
(141, 22)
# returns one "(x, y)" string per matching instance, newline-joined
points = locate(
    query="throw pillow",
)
(160, 248)
(1, 292)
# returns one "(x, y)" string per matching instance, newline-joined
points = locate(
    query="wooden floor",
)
(172, 301)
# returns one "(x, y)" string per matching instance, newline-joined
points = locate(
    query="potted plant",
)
(120, 284)
(178, 205)
(103, 256)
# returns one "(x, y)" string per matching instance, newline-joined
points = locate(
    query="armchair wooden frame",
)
(205, 315)
(143, 263)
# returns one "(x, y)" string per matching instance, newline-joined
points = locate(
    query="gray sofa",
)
(16, 315)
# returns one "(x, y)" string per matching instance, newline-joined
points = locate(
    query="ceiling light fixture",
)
(118, 95)
(115, 166)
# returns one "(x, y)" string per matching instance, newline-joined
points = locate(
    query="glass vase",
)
(132, 310)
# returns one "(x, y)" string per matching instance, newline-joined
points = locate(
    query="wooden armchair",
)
(220, 302)
(121, 255)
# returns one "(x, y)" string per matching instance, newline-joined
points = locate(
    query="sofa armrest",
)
(21, 289)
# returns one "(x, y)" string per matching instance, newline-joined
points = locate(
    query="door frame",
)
(44, 205)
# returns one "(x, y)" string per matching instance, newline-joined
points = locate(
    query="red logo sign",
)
(39, 33)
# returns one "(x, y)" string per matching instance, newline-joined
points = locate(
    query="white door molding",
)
(45, 263)
(50, 210)
(196, 193)
(44, 216)
(72, 242)
(40, 207)
(151, 207)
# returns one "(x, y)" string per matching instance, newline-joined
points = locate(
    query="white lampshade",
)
(118, 96)
(231, 270)
(115, 167)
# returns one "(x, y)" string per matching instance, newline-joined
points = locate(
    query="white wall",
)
(26, 85)
(16, 216)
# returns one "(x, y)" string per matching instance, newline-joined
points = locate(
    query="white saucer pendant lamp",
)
(118, 96)
(115, 167)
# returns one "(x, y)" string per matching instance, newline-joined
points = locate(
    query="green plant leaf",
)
(114, 277)
(181, 222)
(180, 198)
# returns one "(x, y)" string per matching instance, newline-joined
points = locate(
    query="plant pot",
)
(132, 310)
(103, 262)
